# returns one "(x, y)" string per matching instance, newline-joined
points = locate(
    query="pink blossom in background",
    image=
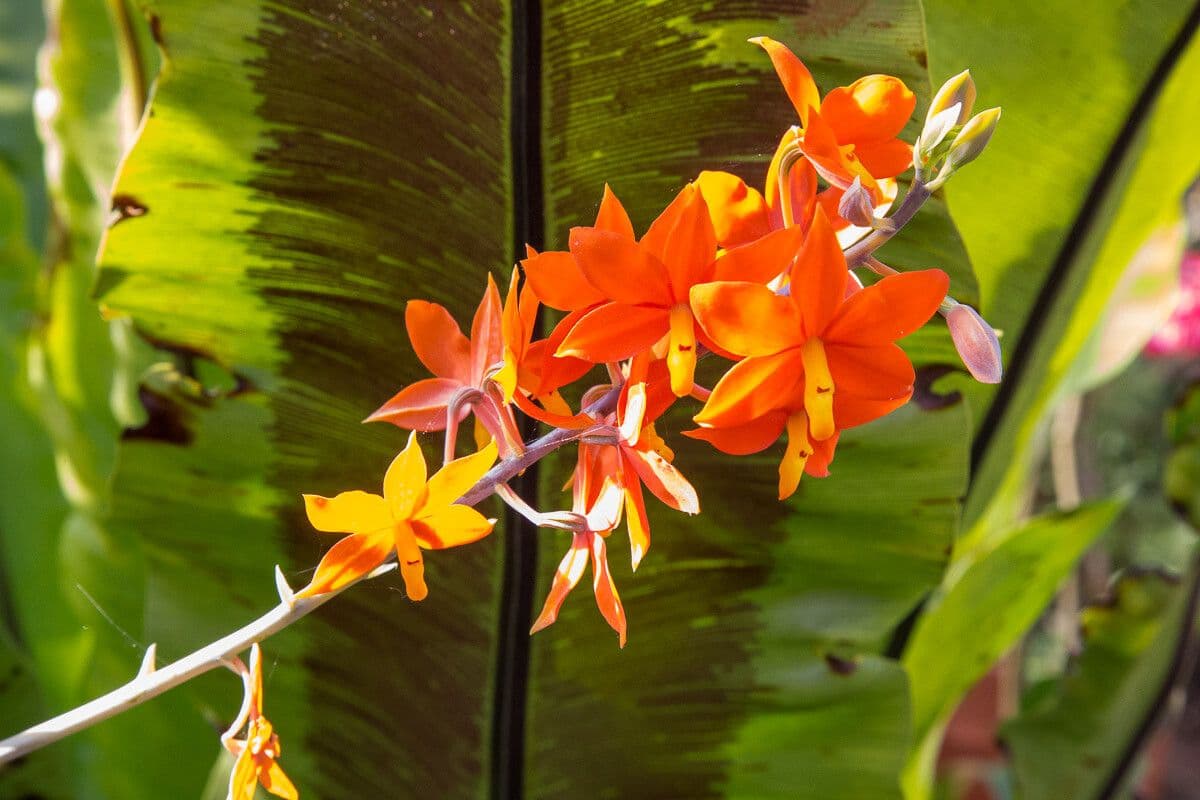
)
(1181, 334)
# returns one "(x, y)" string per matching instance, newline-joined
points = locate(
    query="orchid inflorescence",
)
(764, 280)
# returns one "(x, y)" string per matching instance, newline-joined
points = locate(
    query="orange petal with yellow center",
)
(451, 526)
(818, 277)
(350, 559)
(606, 590)
(437, 340)
(890, 309)
(796, 79)
(760, 261)
(348, 512)
(744, 439)
(746, 318)
(615, 331)
(454, 479)
(404, 481)
(619, 267)
(873, 109)
(754, 387)
(566, 577)
(682, 238)
(612, 215)
(487, 338)
(559, 283)
(739, 214)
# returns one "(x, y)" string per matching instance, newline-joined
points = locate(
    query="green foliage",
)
(1068, 739)
(308, 167)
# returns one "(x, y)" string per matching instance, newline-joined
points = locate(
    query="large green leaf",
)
(1094, 101)
(951, 647)
(1070, 738)
(306, 169)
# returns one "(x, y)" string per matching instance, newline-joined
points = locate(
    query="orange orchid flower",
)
(457, 363)
(852, 133)
(257, 753)
(816, 361)
(854, 130)
(645, 283)
(596, 495)
(412, 513)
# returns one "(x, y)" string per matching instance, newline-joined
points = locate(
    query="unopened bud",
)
(958, 91)
(971, 140)
(856, 206)
(936, 129)
(975, 342)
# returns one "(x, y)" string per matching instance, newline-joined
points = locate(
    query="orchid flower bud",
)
(973, 138)
(958, 91)
(975, 341)
(856, 206)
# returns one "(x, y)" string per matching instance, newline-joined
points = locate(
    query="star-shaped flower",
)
(816, 361)
(412, 513)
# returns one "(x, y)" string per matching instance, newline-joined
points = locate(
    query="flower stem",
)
(150, 682)
(859, 252)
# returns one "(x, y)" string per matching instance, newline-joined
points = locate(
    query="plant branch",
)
(151, 682)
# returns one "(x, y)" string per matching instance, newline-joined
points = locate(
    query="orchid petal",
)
(454, 479)
(348, 512)
(754, 387)
(451, 526)
(890, 309)
(746, 318)
(615, 331)
(818, 277)
(566, 577)
(404, 481)
(619, 267)
(437, 340)
(420, 406)
(796, 79)
(348, 560)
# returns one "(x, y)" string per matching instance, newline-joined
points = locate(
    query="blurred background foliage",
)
(211, 216)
